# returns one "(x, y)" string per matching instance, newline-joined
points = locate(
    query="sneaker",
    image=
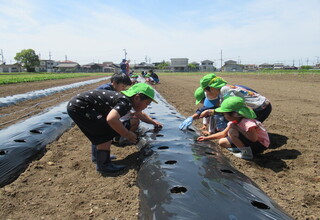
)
(234, 149)
(246, 153)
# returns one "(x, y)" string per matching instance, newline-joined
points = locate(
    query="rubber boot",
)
(104, 164)
(94, 153)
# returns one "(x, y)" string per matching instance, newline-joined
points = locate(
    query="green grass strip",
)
(10, 78)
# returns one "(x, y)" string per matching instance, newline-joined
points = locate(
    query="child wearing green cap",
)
(131, 120)
(97, 114)
(215, 86)
(212, 122)
(243, 130)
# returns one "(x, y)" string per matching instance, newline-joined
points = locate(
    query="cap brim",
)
(247, 112)
(130, 94)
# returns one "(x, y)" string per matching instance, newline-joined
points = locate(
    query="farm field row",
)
(64, 179)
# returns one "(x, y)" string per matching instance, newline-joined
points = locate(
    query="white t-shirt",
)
(252, 99)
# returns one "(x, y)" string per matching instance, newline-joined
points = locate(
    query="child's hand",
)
(206, 113)
(201, 138)
(157, 125)
(132, 137)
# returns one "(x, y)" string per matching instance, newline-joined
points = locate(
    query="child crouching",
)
(243, 131)
(97, 113)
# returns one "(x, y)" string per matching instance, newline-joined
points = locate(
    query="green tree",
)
(163, 65)
(28, 59)
(306, 67)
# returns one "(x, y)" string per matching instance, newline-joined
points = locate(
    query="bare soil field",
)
(63, 184)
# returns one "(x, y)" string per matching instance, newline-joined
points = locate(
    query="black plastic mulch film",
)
(180, 179)
(22, 141)
(186, 179)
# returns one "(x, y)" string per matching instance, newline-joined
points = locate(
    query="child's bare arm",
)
(114, 122)
(147, 119)
(218, 135)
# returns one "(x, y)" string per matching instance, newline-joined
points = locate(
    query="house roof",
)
(67, 65)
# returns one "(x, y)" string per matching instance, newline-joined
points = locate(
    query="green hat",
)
(140, 88)
(199, 95)
(236, 104)
(213, 81)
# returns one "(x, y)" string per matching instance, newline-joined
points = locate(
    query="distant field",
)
(264, 72)
(9, 78)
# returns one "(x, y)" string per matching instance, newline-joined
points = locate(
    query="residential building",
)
(91, 68)
(46, 66)
(266, 66)
(179, 64)
(250, 67)
(231, 66)
(10, 68)
(110, 67)
(67, 66)
(194, 66)
(278, 66)
(207, 66)
(143, 66)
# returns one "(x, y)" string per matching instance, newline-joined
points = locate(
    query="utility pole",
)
(49, 55)
(307, 61)
(221, 62)
(125, 53)
(1, 56)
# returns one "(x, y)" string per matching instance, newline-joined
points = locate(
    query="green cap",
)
(140, 88)
(213, 81)
(199, 95)
(236, 104)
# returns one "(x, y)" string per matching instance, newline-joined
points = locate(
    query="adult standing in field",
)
(123, 66)
(128, 67)
(215, 86)
(97, 113)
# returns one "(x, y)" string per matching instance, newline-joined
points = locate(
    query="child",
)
(97, 114)
(154, 76)
(215, 86)
(243, 131)
(213, 120)
(118, 82)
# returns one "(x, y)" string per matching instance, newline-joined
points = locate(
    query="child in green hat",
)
(212, 122)
(214, 86)
(97, 114)
(243, 131)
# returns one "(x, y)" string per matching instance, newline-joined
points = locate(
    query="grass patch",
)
(10, 78)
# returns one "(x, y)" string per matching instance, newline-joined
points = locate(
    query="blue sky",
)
(247, 31)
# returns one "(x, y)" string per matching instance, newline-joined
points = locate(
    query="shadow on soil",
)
(274, 159)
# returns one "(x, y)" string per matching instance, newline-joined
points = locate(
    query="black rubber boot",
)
(104, 164)
(93, 153)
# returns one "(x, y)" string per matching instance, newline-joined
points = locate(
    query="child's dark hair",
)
(234, 114)
(121, 78)
(143, 96)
